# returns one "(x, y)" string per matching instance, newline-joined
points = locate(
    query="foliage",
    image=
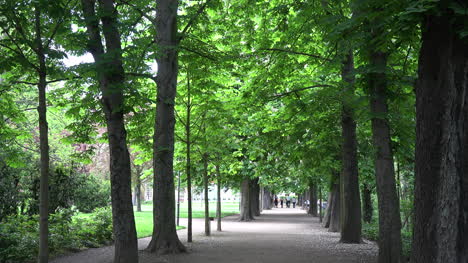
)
(90, 193)
(19, 234)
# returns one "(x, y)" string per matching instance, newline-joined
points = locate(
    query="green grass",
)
(144, 219)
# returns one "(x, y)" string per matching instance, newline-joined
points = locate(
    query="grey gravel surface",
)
(282, 235)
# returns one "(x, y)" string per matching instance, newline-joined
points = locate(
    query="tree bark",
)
(335, 206)
(207, 203)
(111, 82)
(44, 144)
(165, 239)
(218, 203)
(350, 200)
(389, 207)
(254, 197)
(441, 178)
(327, 215)
(313, 199)
(245, 205)
(188, 168)
(367, 203)
(138, 189)
(267, 204)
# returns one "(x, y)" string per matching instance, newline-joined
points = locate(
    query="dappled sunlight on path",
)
(278, 235)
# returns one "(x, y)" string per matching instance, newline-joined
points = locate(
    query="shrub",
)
(91, 193)
(19, 234)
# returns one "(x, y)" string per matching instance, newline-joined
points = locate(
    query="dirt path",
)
(283, 235)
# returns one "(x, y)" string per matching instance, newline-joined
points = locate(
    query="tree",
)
(29, 37)
(441, 184)
(111, 78)
(351, 202)
(164, 239)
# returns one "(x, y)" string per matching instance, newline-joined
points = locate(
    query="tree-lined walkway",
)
(279, 235)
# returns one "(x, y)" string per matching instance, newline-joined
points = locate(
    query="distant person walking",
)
(276, 202)
(294, 202)
(281, 202)
(288, 201)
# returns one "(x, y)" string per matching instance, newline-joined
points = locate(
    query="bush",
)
(19, 234)
(91, 193)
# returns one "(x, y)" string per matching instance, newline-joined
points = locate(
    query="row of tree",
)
(277, 95)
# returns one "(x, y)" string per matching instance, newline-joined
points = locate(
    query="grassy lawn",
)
(144, 219)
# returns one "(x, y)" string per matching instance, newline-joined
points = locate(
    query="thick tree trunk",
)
(367, 203)
(327, 216)
(389, 207)
(43, 256)
(245, 205)
(254, 197)
(441, 181)
(350, 201)
(218, 195)
(207, 203)
(165, 239)
(335, 206)
(112, 81)
(313, 199)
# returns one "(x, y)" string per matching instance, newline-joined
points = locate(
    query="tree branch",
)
(301, 89)
(192, 20)
(295, 52)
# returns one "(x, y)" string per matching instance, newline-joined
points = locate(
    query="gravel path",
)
(279, 235)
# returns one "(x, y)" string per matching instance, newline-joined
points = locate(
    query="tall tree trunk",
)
(335, 206)
(138, 197)
(207, 203)
(188, 168)
(111, 82)
(327, 216)
(441, 181)
(254, 197)
(44, 145)
(267, 204)
(218, 203)
(245, 205)
(313, 199)
(320, 205)
(138, 189)
(165, 239)
(350, 200)
(367, 203)
(389, 207)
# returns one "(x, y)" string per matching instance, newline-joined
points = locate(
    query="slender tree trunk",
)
(367, 203)
(320, 205)
(188, 169)
(245, 205)
(441, 181)
(112, 81)
(218, 203)
(335, 206)
(389, 207)
(350, 200)
(313, 199)
(327, 216)
(44, 145)
(138, 189)
(207, 203)
(165, 239)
